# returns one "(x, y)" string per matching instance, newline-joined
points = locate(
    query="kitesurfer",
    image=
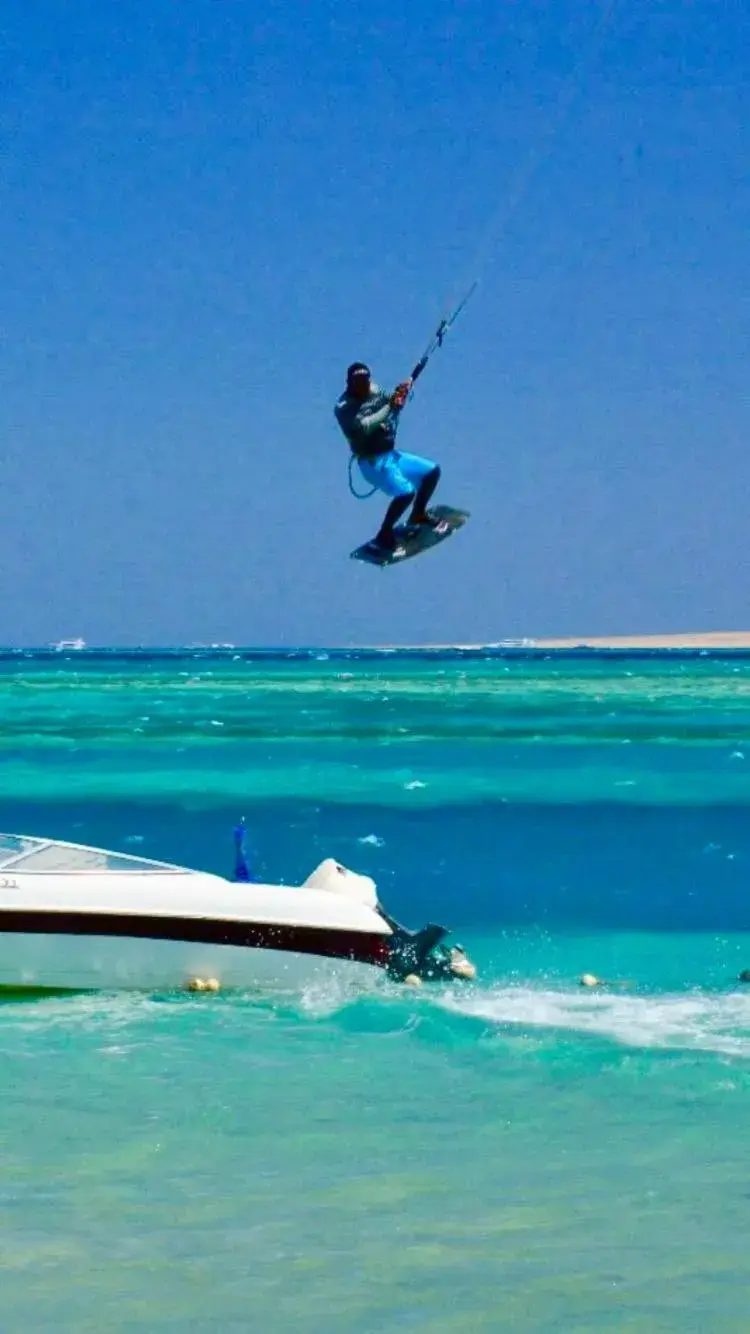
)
(369, 417)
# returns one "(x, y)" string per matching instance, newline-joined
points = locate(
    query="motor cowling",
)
(334, 878)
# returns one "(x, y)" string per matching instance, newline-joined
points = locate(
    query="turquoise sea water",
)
(522, 1154)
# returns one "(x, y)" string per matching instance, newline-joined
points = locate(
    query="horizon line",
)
(716, 639)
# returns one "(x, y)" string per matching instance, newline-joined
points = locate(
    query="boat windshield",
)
(45, 854)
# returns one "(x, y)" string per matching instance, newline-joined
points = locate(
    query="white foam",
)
(695, 1021)
(331, 993)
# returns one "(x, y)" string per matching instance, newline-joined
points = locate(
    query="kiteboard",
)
(413, 541)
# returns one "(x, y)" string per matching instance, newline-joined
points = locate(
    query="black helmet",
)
(357, 370)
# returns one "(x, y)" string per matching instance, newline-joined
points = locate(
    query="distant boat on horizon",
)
(69, 644)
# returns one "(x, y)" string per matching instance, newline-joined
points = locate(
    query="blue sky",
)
(208, 209)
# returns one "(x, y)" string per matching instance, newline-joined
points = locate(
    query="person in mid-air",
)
(369, 417)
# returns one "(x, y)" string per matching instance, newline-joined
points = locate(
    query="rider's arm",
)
(359, 423)
(368, 419)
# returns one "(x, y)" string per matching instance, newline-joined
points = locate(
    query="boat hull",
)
(35, 963)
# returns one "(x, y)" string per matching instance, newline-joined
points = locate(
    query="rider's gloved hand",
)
(401, 393)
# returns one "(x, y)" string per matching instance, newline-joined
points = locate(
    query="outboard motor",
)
(423, 954)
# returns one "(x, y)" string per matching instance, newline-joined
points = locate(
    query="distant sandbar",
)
(712, 639)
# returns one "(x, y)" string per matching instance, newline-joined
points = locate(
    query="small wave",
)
(694, 1022)
(711, 1023)
(87, 1011)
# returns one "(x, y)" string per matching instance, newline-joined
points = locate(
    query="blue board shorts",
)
(394, 473)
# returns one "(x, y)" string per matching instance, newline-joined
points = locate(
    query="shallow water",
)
(524, 1154)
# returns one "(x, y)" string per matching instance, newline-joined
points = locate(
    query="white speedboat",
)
(77, 918)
